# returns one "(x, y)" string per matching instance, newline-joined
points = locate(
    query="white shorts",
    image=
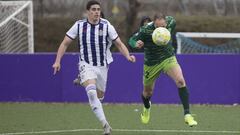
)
(87, 72)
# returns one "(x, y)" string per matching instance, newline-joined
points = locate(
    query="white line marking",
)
(121, 130)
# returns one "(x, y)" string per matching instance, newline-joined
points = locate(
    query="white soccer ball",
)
(161, 36)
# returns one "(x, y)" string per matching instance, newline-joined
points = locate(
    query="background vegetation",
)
(49, 32)
(51, 24)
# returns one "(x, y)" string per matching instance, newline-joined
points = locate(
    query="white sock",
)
(95, 103)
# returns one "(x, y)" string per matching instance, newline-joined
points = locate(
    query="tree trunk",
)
(132, 16)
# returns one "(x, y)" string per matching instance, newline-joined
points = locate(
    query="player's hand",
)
(131, 58)
(139, 44)
(56, 67)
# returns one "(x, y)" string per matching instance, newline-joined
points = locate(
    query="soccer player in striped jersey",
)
(95, 36)
(159, 59)
(77, 80)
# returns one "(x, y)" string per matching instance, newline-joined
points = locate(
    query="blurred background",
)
(57, 16)
(52, 18)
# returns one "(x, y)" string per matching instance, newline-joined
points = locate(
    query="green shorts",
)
(151, 73)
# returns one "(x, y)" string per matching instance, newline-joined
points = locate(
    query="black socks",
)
(184, 96)
(146, 101)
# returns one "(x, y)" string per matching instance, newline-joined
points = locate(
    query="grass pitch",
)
(77, 119)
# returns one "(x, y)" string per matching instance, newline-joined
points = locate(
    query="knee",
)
(93, 99)
(92, 95)
(180, 83)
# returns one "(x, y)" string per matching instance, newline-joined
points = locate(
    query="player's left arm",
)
(123, 49)
(171, 23)
(119, 44)
(61, 50)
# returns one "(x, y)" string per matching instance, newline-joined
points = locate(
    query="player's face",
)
(160, 23)
(94, 13)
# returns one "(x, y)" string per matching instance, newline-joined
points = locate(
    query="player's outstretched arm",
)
(132, 42)
(136, 41)
(123, 49)
(61, 50)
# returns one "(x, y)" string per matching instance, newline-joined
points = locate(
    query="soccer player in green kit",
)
(159, 59)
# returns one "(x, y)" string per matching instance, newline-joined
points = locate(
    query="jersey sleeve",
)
(112, 32)
(73, 31)
(171, 23)
(137, 36)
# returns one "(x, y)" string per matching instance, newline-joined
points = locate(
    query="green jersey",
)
(154, 54)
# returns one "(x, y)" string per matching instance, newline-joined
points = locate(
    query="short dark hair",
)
(159, 16)
(92, 2)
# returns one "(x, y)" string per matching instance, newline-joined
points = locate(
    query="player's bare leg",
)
(176, 74)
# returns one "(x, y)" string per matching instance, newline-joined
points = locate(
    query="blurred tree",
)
(132, 14)
(184, 7)
(39, 7)
(235, 7)
(220, 7)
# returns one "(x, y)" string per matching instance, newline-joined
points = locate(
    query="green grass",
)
(33, 117)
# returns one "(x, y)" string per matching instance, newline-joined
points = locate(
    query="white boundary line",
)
(121, 130)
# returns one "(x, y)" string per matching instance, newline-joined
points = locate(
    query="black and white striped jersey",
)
(94, 41)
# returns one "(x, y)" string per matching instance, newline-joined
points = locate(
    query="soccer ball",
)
(161, 36)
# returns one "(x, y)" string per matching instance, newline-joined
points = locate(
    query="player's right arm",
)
(70, 36)
(61, 50)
